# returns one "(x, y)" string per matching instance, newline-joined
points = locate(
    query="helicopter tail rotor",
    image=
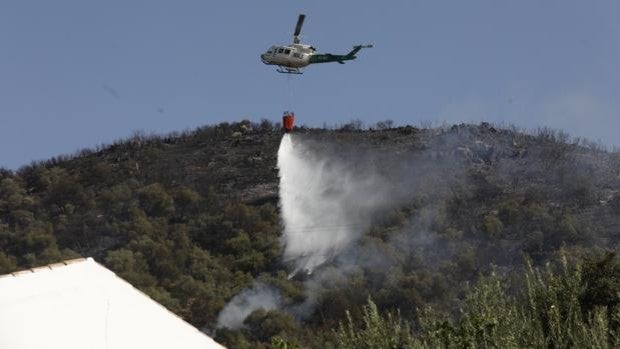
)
(356, 49)
(300, 23)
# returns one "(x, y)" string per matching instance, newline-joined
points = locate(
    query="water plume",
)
(327, 200)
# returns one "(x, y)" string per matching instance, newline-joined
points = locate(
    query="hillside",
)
(193, 219)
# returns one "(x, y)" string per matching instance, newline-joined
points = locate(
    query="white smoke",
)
(243, 304)
(327, 202)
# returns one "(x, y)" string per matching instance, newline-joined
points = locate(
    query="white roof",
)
(81, 304)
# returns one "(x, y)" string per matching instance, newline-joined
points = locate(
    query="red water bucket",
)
(288, 120)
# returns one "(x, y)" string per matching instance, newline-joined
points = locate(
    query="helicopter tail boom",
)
(328, 57)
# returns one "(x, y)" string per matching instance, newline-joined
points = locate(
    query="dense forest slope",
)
(192, 219)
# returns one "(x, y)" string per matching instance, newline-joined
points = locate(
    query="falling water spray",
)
(326, 201)
(329, 194)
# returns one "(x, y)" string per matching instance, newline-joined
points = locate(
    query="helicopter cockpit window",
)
(287, 51)
(280, 50)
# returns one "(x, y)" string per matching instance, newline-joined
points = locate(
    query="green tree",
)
(187, 200)
(8, 263)
(262, 324)
(131, 267)
(493, 226)
(156, 201)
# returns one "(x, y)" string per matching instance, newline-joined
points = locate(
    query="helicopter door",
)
(277, 54)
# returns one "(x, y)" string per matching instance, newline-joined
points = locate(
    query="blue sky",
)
(78, 73)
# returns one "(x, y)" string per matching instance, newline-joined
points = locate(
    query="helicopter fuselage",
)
(292, 56)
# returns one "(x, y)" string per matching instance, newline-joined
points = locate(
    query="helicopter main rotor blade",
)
(300, 22)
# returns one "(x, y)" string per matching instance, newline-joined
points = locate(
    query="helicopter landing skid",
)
(287, 70)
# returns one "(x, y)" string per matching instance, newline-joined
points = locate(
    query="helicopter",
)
(291, 58)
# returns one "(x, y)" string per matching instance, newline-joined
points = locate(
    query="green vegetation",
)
(550, 309)
(192, 220)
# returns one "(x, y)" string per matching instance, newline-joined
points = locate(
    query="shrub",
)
(376, 331)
